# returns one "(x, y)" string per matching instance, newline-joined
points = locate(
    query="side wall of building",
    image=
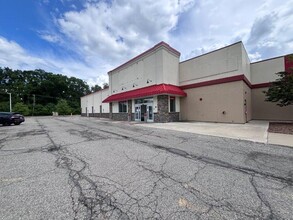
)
(218, 64)
(262, 74)
(263, 110)
(215, 103)
(264, 71)
(225, 102)
(91, 104)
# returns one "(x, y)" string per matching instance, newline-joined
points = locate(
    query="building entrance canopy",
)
(160, 89)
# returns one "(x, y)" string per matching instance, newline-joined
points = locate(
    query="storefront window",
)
(123, 106)
(172, 104)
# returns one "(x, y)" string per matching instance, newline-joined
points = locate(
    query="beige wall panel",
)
(170, 68)
(115, 107)
(248, 107)
(95, 100)
(218, 64)
(152, 69)
(216, 99)
(245, 63)
(267, 110)
(264, 71)
(104, 95)
(160, 66)
(83, 104)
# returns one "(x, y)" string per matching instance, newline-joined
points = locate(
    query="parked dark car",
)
(8, 118)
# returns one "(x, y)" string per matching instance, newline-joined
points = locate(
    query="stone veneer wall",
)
(111, 110)
(163, 114)
(130, 111)
(98, 115)
(122, 116)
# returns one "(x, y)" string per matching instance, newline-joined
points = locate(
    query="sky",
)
(88, 38)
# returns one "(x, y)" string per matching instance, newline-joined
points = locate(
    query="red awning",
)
(166, 89)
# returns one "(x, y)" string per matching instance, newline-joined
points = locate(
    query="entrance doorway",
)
(144, 110)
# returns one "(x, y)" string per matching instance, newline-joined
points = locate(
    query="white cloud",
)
(105, 34)
(254, 56)
(264, 26)
(115, 32)
(50, 37)
(12, 55)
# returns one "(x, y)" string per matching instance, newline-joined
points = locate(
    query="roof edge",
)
(239, 42)
(101, 90)
(161, 44)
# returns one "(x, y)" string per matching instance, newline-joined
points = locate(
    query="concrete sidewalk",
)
(256, 131)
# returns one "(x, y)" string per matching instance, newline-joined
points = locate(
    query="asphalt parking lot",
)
(84, 168)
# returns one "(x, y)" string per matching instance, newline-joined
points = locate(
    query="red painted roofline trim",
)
(162, 43)
(261, 85)
(218, 81)
(152, 90)
(227, 80)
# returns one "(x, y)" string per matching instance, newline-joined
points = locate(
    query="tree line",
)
(36, 92)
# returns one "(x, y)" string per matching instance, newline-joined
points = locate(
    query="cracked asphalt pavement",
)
(86, 168)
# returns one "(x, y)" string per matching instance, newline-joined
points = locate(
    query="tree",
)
(40, 88)
(105, 85)
(63, 108)
(96, 88)
(281, 90)
(21, 108)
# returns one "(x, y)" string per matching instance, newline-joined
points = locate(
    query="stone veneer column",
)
(163, 110)
(130, 110)
(110, 110)
(163, 114)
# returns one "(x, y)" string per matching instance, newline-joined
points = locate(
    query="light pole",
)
(10, 105)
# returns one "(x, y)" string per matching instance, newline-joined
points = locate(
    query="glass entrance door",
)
(144, 110)
(150, 113)
(137, 112)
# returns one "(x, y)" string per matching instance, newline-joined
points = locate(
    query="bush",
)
(21, 108)
(63, 108)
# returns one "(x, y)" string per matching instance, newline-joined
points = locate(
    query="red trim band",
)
(160, 89)
(218, 81)
(227, 80)
(260, 85)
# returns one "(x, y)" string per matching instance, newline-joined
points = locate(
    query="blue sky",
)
(87, 38)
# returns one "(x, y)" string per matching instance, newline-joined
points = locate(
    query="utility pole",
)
(34, 102)
(10, 104)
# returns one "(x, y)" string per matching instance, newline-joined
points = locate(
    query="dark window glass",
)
(123, 106)
(172, 104)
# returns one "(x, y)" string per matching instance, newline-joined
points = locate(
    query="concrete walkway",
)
(256, 131)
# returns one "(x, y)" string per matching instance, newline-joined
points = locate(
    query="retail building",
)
(220, 86)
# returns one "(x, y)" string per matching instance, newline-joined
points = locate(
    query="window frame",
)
(121, 106)
(172, 104)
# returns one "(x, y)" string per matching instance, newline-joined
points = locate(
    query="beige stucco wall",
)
(268, 110)
(264, 71)
(218, 64)
(245, 63)
(216, 99)
(157, 67)
(83, 104)
(115, 107)
(248, 108)
(170, 68)
(95, 100)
